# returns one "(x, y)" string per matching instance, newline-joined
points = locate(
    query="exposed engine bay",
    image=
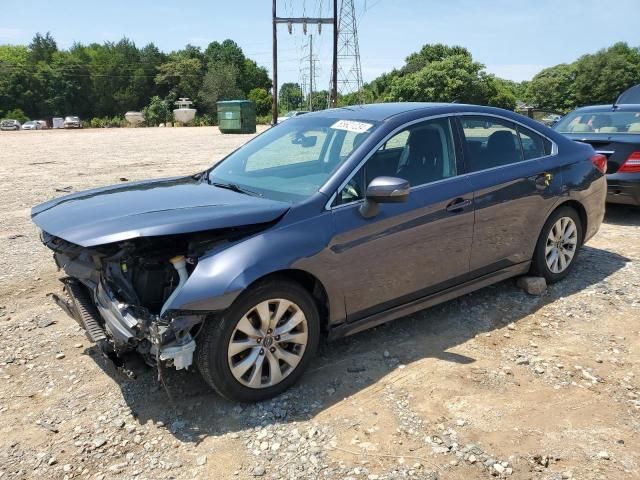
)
(120, 293)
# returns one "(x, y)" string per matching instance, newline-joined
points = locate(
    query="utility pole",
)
(334, 68)
(310, 73)
(319, 21)
(274, 105)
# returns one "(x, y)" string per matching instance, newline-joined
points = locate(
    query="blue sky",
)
(514, 38)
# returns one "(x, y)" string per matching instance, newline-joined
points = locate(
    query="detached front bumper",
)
(624, 188)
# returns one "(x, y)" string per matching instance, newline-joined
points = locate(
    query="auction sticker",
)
(351, 126)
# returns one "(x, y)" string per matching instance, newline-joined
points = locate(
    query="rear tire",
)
(262, 344)
(558, 245)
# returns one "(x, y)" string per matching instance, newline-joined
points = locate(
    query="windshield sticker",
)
(351, 126)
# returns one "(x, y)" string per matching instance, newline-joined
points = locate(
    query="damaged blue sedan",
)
(325, 225)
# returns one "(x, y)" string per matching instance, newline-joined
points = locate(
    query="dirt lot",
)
(494, 384)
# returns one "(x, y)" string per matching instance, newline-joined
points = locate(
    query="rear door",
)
(514, 188)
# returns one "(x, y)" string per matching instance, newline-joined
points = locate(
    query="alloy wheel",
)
(561, 246)
(268, 343)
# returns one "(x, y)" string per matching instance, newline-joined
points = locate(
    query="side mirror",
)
(384, 190)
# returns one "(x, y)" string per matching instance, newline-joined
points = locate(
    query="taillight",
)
(600, 161)
(631, 164)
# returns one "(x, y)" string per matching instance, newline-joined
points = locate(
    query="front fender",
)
(222, 274)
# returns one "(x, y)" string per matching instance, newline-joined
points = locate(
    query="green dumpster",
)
(237, 116)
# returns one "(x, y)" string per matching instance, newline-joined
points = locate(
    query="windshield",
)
(609, 121)
(293, 160)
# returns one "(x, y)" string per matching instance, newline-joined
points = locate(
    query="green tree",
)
(553, 88)
(158, 111)
(42, 48)
(181, 76)
(262, 99)
(220, 83)
(432, 53)
(602, 77)
(319, 100)
(290, 97)
(454, 78)
(16, 114)
(14, 75)
(253, 76)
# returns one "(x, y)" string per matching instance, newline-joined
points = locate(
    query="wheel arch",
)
(309, 282)
(580, 210)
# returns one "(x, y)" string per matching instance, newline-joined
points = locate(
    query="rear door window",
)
(490, 142)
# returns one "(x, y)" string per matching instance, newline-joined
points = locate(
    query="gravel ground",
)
(494, 384)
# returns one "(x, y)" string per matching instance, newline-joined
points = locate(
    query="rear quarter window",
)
(533, 144)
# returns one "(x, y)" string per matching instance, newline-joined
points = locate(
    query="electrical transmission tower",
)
(349, 78)
(308, 73)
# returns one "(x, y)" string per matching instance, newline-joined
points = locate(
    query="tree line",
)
(593, 79)
(441, 73)
(105, 80)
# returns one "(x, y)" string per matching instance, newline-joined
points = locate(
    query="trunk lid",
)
(617, 148)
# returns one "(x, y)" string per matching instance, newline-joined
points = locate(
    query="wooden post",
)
(274, 106)
(334, 89)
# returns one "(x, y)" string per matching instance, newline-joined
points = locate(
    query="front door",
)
(411, 249)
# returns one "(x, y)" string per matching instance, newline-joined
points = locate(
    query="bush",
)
(262, 100)
(16, 114)
(205, 120)
(264, 119)
(157, 112)
(106, 122)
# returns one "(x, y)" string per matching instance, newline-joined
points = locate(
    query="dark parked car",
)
(10, 125)
(614, 132)
(331, 222)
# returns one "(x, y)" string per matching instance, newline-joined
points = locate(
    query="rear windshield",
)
(600, 122)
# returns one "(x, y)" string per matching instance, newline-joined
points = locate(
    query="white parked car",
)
(291, 114)
(72, 122)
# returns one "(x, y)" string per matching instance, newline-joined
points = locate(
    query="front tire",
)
(558, 245)
(262, 344)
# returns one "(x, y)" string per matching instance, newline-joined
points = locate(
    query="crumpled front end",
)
(120, 294)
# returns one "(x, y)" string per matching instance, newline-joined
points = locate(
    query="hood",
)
(150, 208)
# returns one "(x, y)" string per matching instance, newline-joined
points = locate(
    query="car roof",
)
(380, 112)
(377, 111)
(625, 107)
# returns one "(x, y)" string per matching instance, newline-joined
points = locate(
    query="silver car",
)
(31, 125)
(9, 125)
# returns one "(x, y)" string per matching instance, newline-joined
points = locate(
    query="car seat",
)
(424, 161)
(581, 128)
(502, 149)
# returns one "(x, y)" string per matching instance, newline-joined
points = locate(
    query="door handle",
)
(543, 180)
(458, 205)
